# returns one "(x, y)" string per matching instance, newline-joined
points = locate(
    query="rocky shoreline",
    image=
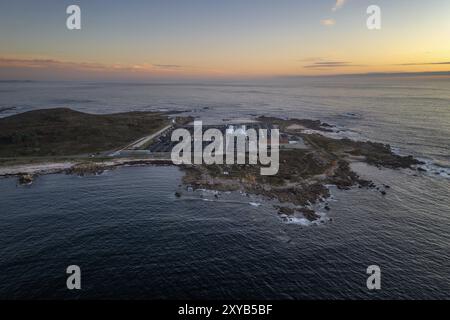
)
(305, 174)
(27, 174)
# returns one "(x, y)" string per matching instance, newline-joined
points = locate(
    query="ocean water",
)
(133, 238)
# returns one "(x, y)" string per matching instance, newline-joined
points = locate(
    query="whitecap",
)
(433, 169)
(255, 204)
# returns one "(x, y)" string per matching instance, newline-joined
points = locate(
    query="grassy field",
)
(65, 132)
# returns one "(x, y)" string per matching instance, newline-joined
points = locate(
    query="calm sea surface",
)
(133, 239)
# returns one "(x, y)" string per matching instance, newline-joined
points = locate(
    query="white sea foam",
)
(301, 221)
(255, 204)
(433, 169)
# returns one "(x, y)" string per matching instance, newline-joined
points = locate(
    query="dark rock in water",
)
(364, 183)
(25, 178)
(387, 186)
(286, 211)
(351, 115)
(327, 208)
(309, 214)
(216, 196)
(421, 169)
(383, 193)
(177, 194)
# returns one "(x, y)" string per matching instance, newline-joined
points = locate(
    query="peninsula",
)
(64, 140)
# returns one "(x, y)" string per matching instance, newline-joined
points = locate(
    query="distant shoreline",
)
(193, 81)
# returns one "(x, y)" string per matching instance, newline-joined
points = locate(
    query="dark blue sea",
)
(134, 239)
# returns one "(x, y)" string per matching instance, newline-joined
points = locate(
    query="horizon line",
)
(231, 78)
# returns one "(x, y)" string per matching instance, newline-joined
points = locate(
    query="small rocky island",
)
(63, 140)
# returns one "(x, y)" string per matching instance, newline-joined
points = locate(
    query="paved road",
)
(141, 142)
(136, 145)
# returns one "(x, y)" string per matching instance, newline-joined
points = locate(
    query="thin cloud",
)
(84, 66)
(52, 63)
(328, 22)
(168, 66)
(331, 64)
(424, 63)
(310, 59)
(339, 4)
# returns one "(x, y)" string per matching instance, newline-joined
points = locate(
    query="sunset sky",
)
(220, 38)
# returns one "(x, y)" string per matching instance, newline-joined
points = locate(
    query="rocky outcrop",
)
(25, 178)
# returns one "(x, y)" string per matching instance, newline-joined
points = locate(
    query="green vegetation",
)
(374, 153)
(65, 132)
